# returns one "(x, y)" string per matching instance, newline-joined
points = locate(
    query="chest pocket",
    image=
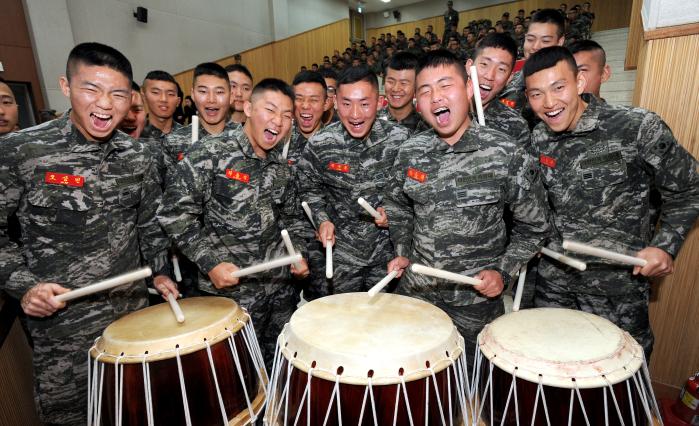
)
(65, 206)
(602, 171)
(477, 190)
(130, 196)
(230, 191)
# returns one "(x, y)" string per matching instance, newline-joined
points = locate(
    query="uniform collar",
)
(468, 142)
(588, 121)
(376, 135)
(78, 143)
(274, 155)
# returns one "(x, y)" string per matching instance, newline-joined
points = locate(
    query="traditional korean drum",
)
(148, 369)
(351, 359)
(560, 367)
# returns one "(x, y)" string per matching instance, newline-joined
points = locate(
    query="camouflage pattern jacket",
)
(506, 120)
(413, 122)
(446, 205)
(338, 169)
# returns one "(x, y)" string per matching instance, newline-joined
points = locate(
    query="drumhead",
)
(354, 336)
(153, 333)
(564, 347)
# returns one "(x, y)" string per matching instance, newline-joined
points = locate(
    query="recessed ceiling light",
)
(386, 1)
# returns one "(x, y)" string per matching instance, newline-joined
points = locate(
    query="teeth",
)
(440, 110)
(102, 116)
(485, 87)
(275, 133)
(307, 116)
(554, 113)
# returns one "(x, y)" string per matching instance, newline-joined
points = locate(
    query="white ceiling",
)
(369, 6)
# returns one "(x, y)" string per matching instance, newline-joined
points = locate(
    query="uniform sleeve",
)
(187, 191)
(526, 199)
(311, 183)
(153, 240)
(677, 180)
(15, 276)
(399, 208)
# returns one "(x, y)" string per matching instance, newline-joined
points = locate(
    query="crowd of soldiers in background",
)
(377, 53)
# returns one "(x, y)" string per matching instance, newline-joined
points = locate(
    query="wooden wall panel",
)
(667, 83)
(608, 15)
(635, 40)
(284, 58)
(16, 388)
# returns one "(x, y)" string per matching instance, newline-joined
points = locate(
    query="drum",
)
(148, 369)
(352, 359)
(560, 367)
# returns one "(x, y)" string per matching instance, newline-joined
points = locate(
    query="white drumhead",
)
(561, 345)
(360, 334)
(153, 333)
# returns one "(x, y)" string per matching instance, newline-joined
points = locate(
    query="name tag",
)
(236, 175)
(339, 167)
(64, 179)
(547, 161)
(417, 175)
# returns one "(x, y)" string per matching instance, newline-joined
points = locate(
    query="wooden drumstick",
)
(195, 128)
(575, 263)
(107, 284)
(362, 202)
(276, 263)
(605, 254)
(328, 259)
(383, 283)
(176, 268)
(179, 315)
(307, 209)
(477, 95)
(446, 275)
(290, 247)
(520, 288)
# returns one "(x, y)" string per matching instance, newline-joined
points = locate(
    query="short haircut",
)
(550, 16)
(210, 68)
(328, 73)
(588, 46)
(403, 61)
(239, 68)
(310, 77)
(274, 85)
(498, 41)
(357, 74)
(99, 55)
(135, 87)
(441, 58)
(547, 58)
(159, 75)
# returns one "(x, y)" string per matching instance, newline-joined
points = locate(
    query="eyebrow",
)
(441, 80)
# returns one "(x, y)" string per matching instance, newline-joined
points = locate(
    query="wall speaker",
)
(141, 14)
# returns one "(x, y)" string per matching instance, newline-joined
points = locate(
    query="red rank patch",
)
(180, 156)
(508, 102)
(64, 179)
(547, 161)
(236, 175)
(417, 175)
(290, 162)
(338, 167)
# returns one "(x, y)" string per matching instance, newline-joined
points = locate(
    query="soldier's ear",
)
(65, 85)
(606, 72)
(581, 82)
(247, 109)
(469, 62)
(328, 103)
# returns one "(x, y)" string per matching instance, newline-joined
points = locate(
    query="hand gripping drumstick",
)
(176, 268)
(477, 95)
(605, 254)
(290, 247)
(308, 213)
(328, 259)
(383, 283)
(575, 263)
(446, 275)
(107, 284)
(520, 288)
(176, 310)
(362, 202)
(195, 128)
(276, 263)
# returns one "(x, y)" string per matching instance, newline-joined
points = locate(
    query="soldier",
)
(135, 120)
(241, 89)
(330, 77)
(599, 163)
(400, 92)
(9, 114)
(446, 198)
(545, 29)
(494, 58)
(160, 91)
(345, 161)
(592, 65)
(451, 19)
(506, 24)
(85, 196)
(224, 210)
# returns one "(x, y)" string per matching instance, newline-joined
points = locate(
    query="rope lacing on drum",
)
(218, 389)
(488, 390)
(540, 391)
(118, 390)
(250, 339)
(638, 381)
(646, 374)
(183, 389)
(368, 391)
(234, 352)
(407, 400)
(436, 392)
(335, 394)
(573, 392)
(305, 397)
(147, 391)
(95, 381)
(510, 393)
(616, 403)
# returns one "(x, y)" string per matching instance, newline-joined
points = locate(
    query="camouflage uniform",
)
(152, 132)
(514, 96)
(504, 119)
(86, 209)
(336, 170)
(225, 204)
(413, 122)
(599, 177)
(446, 205)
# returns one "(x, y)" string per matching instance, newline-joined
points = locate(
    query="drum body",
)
(560, 367)
(351, 359)
(148, 369)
